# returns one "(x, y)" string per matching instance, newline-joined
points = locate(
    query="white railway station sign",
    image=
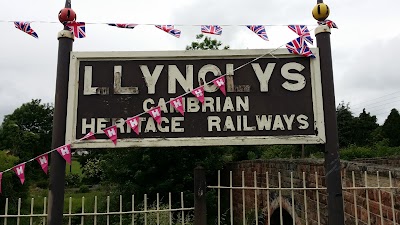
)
(271, 100)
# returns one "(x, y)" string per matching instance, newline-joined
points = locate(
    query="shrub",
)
(11, 185)
(280, 151)
(92, 171)
(83, 189)
(355, 152)
(72, 180)
(43, 184)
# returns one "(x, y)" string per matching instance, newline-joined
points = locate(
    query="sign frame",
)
(76, 57)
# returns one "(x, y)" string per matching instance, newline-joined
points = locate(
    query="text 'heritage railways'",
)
(264, 98)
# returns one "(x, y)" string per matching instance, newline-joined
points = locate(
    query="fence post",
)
(200, 205)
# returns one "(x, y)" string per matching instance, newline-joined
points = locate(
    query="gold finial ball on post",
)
(320, 12)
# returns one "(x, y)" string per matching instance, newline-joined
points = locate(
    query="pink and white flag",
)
(178, 104)
(88, 136)
(20, 171)
(111, 133)
(65, 152)
(134, 124)
(1, 177)
(156, 114)
(199, 93)
(220, 82)
(43, 160)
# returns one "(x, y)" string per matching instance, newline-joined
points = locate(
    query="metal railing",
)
(247, 198)
(301, 198)
(158, 213)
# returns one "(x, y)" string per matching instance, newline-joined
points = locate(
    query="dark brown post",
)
(57, 167)
(332, 159)
(200, 205)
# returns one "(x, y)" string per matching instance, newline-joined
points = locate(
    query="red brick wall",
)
(309, 167)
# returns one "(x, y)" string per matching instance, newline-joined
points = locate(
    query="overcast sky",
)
(365, 47)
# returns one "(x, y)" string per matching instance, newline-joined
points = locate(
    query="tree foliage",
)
(10, 184)
(27, 131)
(345, 122)
(205, 44)
(92, 171)
(158, 170)
(391, 128)
(364, 126)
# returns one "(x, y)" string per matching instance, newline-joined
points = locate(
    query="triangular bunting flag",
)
(88, 136)
(220, 82)
(77, 28)
(134, 124)
(329, 23)
(26, 27)
(123, 25)
(43, 161)
(170, 30)
(259, 30)
(156, 114)
(1, 177)
(111, 133)
(299, 47)
(199, 93)
(302, 31)
(20, 171)
(211, 29)
(65, 152)
(178, 104)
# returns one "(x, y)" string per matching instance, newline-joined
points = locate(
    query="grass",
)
(74, 168)
(76, 199)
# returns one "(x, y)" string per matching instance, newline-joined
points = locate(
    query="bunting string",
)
(153, 24)
(297, 46)
(78, 28)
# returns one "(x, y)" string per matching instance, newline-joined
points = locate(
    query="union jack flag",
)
(329, 23)
(298, 46)
(170, 30)
(77, 28)
(259, 30)
(123, 25)
(302, 31)
(211, 29)
(26, 27)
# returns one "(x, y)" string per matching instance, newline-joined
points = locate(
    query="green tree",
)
(92, 171)
(391, 128)
(26, 132)
(158, 170)
(345, 123)
(364, 125)
(205, 44)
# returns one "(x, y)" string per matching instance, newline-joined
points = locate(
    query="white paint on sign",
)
(118, 89)
(151, 78)
(263, 76)
(174, 75)
(192, 104)
(300, 80)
